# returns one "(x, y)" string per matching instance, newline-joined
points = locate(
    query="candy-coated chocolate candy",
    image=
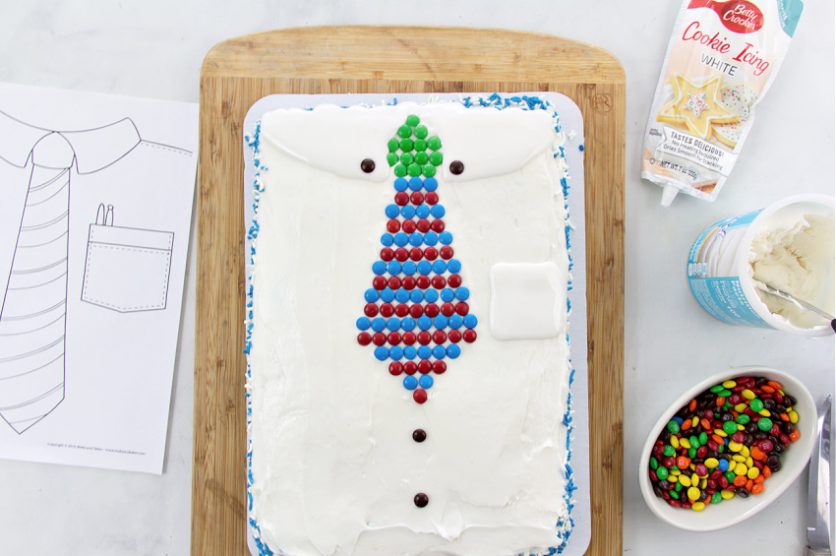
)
(419, 435)
(404, 131)
(412, 120)
(434, 143)
(420, 396)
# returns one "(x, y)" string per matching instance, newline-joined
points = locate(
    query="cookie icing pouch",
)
(721, 60)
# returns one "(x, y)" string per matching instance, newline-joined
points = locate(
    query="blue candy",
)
(439, 266)
(396, 353)
(431, 296)
(426, 382)
(440, 322)
(408, 268)
(445, 237)
(407, 323)
(379, 324)
(431, 238)
(424, 267)
(447, 295)
(437, 211)
(387, 240)
(462, 293)
(408, 211)
(470, 320)
(422, 211)
(363, 323)
(401, 296)
(371, 295)
(439, 352)
(723, 465)
(453, 351)
(400, 185)
(416, 184)
(416, 296)
(430, 184)
(454, 266)
(416, 239)
(401, 239)
(424, 352)
(381, 353)
(393, 324)
(394, 267)
(409, 352)
(392, 211)
(424, 322)
(410, 382)
(387, 295)
(455, 321)
(379, 267)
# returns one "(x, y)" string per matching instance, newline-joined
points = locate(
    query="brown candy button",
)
(421, 499)
(419, 435)
(456, 167)
(367, 165)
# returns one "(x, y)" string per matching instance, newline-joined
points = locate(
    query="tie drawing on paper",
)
(33, 307)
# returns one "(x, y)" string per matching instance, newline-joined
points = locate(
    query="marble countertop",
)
(154, 48)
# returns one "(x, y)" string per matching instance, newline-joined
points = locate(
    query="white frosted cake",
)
(408, 362)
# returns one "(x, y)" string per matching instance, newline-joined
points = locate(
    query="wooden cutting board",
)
(360, 59)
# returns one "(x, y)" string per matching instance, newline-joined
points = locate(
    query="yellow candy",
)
(764, 412)
(748, 394)
(735, 446)
(727, 494)
(738, 458)
(674, 442)
(685, 443)
(729, 384)
(750, 462)
(672, 478)
(693, 493)
(744, 451)
(676, 472)
(793, 416)
(695, 479)
(740, 407)
(698, 506)
(695, 421)
(719, 432)
(739, 469)
(712, 463)
(753, 472)
(685, 481)
(703, 483)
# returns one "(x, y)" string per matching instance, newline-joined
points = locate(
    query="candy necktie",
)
(416, 314)
(33, 310)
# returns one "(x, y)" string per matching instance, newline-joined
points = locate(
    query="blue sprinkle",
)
(439, 266)
(392, 211)
(387, 240)
(454, 266)
(445, 237)
(416, 239)
(394, 267)
(379, 267)
(410, 382)
(408, 211)
(401, 296)
(387, 295)
(431, 238)
(371, 295)
(396, 352)
(439, 352)
(363, 323)
(416, 184)
(408, 323)
(381, 353)
(424, 322)
(470, 320)
(424, 267)
(455, 321)
(430, 184)
(422, 211)
(393, 324)
(378, 324)
(431, 296)
(401, 239)
(424, 352)
(453, 351)
(580, 147)
(440, 321)
(462, 293)
(409, 352)
(400, 185)
(447, 295)
(426, 382)
(438, 211)
(416, 296)
(408, 268)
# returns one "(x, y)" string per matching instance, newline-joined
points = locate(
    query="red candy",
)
(469, 335)
(364, 338)
(410, 368)
(409, 226)
(446, 252)
(419, 395)
(438, 226)
(395, 368)
(401, 198)
(424, 366)
(439, 367)
(432, 198)
(423, 225)
(393, 226)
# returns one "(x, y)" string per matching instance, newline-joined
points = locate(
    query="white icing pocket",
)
(526, 301)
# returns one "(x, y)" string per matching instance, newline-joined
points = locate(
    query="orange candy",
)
(766, 472)
(686, 424)
(706, 424)
(757, 454)
(740, 481)
(758, 488)
(795, 435)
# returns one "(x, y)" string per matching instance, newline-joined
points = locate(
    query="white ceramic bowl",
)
(729, 512)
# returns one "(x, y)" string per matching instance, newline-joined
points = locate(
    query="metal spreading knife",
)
(818, 488)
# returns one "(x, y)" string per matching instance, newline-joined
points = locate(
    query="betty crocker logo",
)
(738, 16)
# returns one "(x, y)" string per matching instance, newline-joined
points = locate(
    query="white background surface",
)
(154, 48)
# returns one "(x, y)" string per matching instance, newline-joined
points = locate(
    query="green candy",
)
(662, 473)
(404, 131)
(436, 158)
(730, 476)
(764, 424)
(716, 498)
(412, 120)
(407, 145)
(721, 448)
(730, 427)
(743, 419)
(692, 452)
(703, 438)
(668, 450)
(420, 145)
(673, 426)
(421, 131)
(679, 487)
(428, 170)
(724, 393)
(718, 388)
(434, 143)
(392, 159)
(654, 463)
(406, 159)
(413, 170)
(695, 442)
(421, 158)
(393, 145)
(726, 406)
(756, 405)
(400, 170)
(674, 494)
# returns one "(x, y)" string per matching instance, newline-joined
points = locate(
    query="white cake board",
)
(571, 122)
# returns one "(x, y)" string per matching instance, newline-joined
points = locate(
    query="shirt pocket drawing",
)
(126, 269)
